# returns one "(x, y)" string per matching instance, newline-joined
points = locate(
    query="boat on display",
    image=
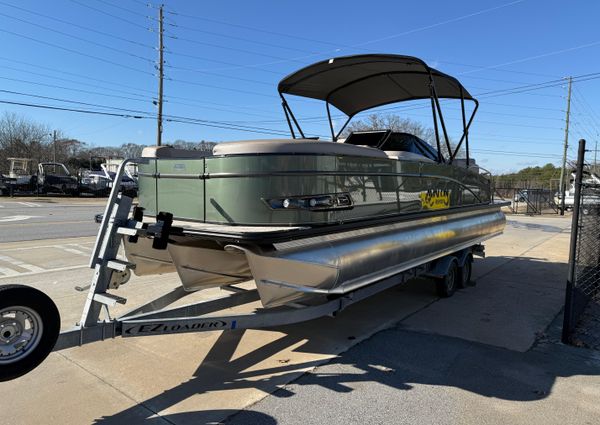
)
(308, 219)
(315, 225)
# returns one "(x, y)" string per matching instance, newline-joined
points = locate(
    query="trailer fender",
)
(440, 267)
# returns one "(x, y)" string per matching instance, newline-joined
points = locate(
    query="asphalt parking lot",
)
(375, 351)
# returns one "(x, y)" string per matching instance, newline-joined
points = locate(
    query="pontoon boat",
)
(307, 219)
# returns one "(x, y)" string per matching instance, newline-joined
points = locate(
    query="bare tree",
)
(201, 146)
(20, 137)
(131, 150)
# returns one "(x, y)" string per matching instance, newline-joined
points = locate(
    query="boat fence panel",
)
(582, 302)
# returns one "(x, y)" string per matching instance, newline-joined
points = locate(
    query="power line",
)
(248, 80)
(437, 24)
(58, 108)
(219, 46)
(75, 82)
(76, 52)
(143, 114)
(514, 153)
(253, 108)
(74, 89)
(78, 38)
(135, 24)
(539, 56)
(125, 9)
(106, 34)
(246, 40)
(246, 27)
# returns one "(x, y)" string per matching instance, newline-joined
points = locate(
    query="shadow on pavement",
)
(395, 358)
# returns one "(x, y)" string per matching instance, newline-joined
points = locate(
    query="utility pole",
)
(564, 159)
(160, 76)
(54, 143)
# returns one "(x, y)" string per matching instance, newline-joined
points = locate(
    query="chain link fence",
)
(530, 201)
(582, 302)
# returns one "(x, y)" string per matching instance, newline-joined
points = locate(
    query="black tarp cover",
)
(356, 83)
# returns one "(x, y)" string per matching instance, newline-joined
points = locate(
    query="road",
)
(480, 353)
(26, 219)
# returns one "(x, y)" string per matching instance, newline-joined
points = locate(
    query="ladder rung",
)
(120, 265)
(109, 299)
(127, 231)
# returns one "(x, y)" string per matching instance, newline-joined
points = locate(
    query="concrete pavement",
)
(404, 377)
(46, 218)
(208, 377)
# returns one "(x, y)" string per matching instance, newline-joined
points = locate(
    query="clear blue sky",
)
(225, 58)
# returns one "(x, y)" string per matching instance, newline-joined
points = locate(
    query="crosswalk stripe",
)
(59, 269)
(21, 264)
(72, 250)
(8, 272)
(30, 204)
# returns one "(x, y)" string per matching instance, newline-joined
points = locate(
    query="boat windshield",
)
(406, 142)
(387, 140)
(372, 139)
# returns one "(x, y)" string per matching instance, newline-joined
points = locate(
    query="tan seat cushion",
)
(294, 146)
(171, 152)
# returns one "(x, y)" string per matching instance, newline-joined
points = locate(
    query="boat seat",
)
(294, 146)
(171, 152)
(407, 156)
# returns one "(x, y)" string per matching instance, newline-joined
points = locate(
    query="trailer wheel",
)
(29, 328)
(464, 273)
(446, 285)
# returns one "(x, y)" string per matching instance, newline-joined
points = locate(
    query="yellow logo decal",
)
(435, 199)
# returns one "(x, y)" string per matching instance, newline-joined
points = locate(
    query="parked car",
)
(522, 195)
(54, 177)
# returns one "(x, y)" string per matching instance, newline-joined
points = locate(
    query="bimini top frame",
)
(357, 83)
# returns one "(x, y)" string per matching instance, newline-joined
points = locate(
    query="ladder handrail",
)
(112, 199)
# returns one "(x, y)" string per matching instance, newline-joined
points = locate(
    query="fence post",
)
(568, 324)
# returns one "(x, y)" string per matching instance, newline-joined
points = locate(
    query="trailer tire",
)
(464, 273)
(446, 286)
(29, 328)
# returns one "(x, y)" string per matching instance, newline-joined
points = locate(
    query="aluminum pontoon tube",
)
(336, 263)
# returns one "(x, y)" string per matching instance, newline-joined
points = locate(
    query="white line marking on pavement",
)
(60, 269)
(30, 204)
(71, 250)
(17, 218)
(27, 248)
(8, 272)
(21, 264)
(85, 249)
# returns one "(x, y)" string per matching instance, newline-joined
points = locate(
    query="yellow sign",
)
(435, 199)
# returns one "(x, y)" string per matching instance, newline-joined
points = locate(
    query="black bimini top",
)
(356, 83)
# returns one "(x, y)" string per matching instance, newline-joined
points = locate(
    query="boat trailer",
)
(30, 321)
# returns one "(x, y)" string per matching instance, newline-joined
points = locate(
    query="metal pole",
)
(564, 159)
(567, 319)
(160, 76)
(54, 144)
